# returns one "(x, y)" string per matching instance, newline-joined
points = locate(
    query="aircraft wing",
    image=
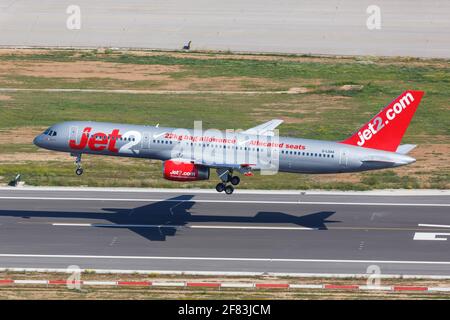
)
(265, 129)
(241, 167)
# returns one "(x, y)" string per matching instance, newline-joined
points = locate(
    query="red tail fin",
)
(385, 131)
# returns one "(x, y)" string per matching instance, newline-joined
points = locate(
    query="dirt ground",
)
(22, 135)
(262, 57)
(161, 75)
(87, 69)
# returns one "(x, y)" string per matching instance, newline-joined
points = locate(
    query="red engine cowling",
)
(184, 171)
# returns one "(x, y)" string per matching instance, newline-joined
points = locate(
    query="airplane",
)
(190, 155)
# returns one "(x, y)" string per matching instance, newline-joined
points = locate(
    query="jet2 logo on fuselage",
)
(97, 142)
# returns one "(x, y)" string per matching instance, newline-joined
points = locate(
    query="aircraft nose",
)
(38, 140)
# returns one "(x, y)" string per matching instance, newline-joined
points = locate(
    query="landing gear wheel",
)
(235, 180)
(79, 169)
(229, 189)
(220, 187)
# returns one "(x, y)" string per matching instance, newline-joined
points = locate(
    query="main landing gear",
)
(79, 169)
(227, 177)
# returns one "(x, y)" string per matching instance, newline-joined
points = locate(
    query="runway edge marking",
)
(227, 273)
(218, 285)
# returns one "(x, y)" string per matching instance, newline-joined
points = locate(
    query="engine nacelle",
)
(184, 171)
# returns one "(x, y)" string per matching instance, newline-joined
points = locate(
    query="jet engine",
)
(184, 171)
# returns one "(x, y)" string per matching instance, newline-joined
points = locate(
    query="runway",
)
(295, 233)
(407, 28)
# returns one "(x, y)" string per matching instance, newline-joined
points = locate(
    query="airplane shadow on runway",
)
(163, 218)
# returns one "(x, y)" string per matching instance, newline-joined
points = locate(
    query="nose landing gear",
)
(79, 169)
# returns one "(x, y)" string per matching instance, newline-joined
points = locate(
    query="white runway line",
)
(250, 227)
(178, 226)
(306, 286)
(31, 281)
(68, 256)
(434, 225)
(99, 283)
(115, 225)
(228, 200)
(237, 285)
(430, 236)
(167, 284)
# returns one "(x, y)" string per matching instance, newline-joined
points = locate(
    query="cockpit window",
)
(50, 133)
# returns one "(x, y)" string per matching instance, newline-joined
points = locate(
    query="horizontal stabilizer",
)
(405, 148)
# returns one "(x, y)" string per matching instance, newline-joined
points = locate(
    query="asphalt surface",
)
(408, 27)
(190, 231)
